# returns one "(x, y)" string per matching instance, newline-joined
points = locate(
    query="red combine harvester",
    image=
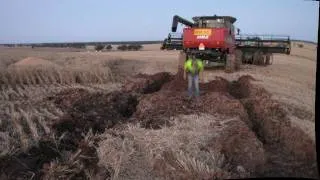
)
(213, 39)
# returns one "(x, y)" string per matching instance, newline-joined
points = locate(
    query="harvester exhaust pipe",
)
(177, 19)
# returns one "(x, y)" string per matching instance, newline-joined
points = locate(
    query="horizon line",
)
(116, 42)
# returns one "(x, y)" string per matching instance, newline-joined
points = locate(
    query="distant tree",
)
(77, 45)
(99, 47)
(139, 47)
(131, 47)
(122, 47)
(109, 47)
(134, 47)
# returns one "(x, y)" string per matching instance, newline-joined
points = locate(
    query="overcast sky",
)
(25, 21)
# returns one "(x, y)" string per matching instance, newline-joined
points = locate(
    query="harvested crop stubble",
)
(45, 72)
(175, 152)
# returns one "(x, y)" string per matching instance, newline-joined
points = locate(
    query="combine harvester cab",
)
(259, 49)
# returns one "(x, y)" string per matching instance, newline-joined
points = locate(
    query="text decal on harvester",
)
(203, 37)
(202, 32)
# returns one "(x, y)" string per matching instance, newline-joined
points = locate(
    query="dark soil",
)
(289, 151)
(262, 140)
(28, 164)
(146, 84)
(264, 116)
(96, 111)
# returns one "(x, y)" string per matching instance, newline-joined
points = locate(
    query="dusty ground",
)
(291, 79)
(260, 122)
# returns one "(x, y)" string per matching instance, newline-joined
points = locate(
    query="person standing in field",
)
(193, 68)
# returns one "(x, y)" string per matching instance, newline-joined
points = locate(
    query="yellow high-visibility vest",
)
(189, 68)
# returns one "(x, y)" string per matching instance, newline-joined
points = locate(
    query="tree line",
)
(97, 47)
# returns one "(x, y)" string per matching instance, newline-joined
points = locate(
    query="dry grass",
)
(52, 75)
(137, 153)
(169, 153)
(27, 125)
(73, 164)
(24, 116)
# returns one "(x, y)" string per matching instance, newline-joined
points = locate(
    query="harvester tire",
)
(264, 60)
(271, 59)
(268, 59)
(238, 59)
(247, 58)
(230, 63)
(257, 58)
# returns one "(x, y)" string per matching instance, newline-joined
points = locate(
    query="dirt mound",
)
(240, 146)
(33, 62)
(146, 84)
(155, 110)
(223, 103)
(267, 117)
(218, 85)
(252, 103)
(177, 83)
(273, 128)
(243, 88)
(296, 142)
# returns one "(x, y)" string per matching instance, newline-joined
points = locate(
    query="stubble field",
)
(124, 115)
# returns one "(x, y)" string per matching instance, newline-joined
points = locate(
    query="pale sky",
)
(36, 21)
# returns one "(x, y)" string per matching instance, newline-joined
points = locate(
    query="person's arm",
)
(201, 73)
(184, 71)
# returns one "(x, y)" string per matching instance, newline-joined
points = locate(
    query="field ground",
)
(290, 80)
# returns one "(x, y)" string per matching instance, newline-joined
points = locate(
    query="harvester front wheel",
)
(230, 63)
(257, 58)
(268, 56)
(238, 59)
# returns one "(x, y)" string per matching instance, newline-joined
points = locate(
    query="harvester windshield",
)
(214, 21)
(219, 23)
